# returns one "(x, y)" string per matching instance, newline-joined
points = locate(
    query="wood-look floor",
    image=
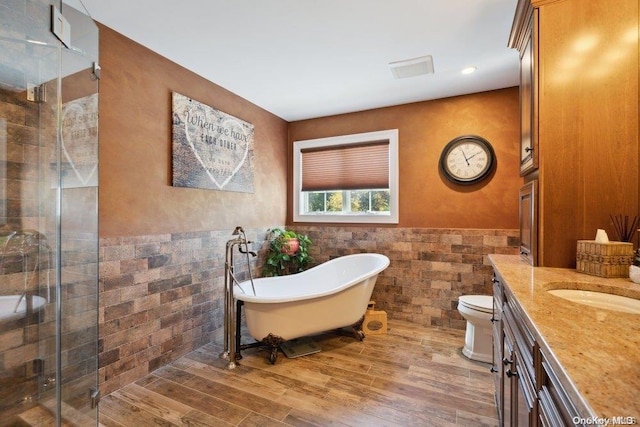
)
(411, 376)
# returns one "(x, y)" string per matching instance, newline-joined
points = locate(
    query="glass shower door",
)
(77, 157)
(48, 214)
(29, 69)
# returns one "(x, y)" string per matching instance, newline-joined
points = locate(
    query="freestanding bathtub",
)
(331, 295)
(14, 307)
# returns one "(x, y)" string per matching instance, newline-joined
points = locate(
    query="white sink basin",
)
(599, 300)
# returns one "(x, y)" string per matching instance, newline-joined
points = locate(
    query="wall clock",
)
(467, 159)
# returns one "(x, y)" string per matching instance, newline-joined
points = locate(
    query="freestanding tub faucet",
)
(230, 352)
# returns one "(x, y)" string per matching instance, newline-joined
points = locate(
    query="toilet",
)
(477, 311)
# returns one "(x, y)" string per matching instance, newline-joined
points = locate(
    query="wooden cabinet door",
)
(588, 117)
(528, 133)
(523, 37)
(524, 400)
(507, 382)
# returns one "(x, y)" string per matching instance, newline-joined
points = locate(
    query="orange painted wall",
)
(426, 198)
(136, 196)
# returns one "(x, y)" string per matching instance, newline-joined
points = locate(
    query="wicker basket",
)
(604, 259)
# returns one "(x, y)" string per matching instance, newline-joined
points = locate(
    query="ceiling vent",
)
(412, 67)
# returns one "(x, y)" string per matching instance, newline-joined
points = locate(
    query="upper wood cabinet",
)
(583, 56)
(522, 38)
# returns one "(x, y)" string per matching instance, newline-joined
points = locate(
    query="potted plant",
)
(288, 253)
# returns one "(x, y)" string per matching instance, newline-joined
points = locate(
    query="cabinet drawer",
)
(518, 364)
(524, 332)
(520, 397)
(557, 400)
(547, 411)
(525, 380)
(524, 341)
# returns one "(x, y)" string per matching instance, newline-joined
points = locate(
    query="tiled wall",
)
(21, 143)
(161, 295)
(429, 270)
(19, 137)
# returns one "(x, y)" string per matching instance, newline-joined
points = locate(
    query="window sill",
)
(347, 219)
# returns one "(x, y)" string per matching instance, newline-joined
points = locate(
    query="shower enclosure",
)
(48, 213)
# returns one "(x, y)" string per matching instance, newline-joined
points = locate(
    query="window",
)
(351, 178)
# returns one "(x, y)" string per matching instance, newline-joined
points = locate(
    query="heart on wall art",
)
(211, 149)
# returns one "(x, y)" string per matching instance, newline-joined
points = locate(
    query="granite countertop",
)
(595, 352)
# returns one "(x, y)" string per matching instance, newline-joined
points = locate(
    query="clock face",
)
(467, 159)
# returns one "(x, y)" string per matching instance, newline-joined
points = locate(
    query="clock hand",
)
(465, 156)
(479, 152)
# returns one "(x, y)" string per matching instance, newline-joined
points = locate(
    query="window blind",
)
(346, 167)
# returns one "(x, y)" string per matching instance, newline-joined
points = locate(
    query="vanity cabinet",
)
(579, 117)
(528, 391)
(514, 372)
(573, 359)
(520, 363)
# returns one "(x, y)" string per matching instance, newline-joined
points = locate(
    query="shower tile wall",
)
(161, 295)
(19, 162)
(27, 204)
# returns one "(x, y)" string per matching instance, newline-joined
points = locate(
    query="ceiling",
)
(303, 59)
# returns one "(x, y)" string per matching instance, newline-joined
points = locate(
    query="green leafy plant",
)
(284, 257)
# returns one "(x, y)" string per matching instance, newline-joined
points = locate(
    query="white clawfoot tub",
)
(331, 295)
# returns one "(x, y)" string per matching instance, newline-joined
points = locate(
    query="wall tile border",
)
(161, 296)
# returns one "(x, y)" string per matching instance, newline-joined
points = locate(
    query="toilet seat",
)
(481, 303)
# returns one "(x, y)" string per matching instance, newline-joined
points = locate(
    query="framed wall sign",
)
(211, 149)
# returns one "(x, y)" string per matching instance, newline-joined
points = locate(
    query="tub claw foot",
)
(357, 329)
(273, 342)
(273, 355)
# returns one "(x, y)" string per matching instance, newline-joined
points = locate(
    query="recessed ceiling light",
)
(412, 67)
(468, 70)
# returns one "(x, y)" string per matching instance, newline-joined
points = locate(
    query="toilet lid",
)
(482, 303)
